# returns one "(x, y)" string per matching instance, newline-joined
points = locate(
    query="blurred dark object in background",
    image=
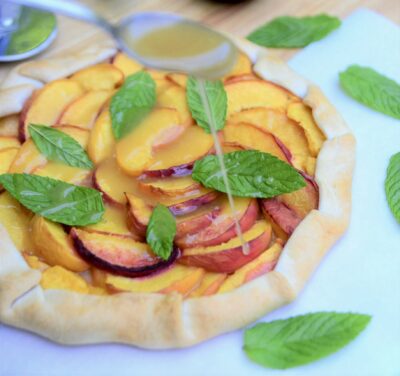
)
(230, 1)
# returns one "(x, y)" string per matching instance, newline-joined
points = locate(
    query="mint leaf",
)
(132, 102)
(58, 146)
(293, 32)
(54, 199)
(251, 173)
(302, 339)
(392, 185)
(161, 231)
(217, 100)
(372, 89)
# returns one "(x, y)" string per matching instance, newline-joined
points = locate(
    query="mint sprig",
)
(250, 173)
(54, 199)
(372, 89)
(132, 102)
(293, 32)
(302, 339)
(217, 100)
(392, 185)
(58, 146)
(161, 231)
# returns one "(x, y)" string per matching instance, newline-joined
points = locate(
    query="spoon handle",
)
(69, 9)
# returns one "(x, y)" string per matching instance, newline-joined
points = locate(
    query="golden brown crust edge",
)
(167, 321)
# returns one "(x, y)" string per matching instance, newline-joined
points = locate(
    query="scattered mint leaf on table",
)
(293, 32)
(372, 89)
(302, 339)
(217, 100)
(58, 146)
(392, 185)
(161, 231)
(54, 199)
(250, 173)
(132, 102)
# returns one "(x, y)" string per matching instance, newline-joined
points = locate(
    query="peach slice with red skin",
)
(139, 213)
(228, 257)
(171, 188)
(118, 255)
(191, 205)
(261, 265)
(179, 79)
(209, 285)
(222, 228)
(46, 104)
(289, 209)
(177, 159)
(83, 111)
(251, 137)
(175, 97)
(103, 76)
(245, 94)
(177, 278)
(136, 151)
(126, 64)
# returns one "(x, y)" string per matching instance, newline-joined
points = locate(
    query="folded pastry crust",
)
(160, 321)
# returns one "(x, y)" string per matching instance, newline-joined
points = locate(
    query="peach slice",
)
(228, 257)
(46, 105)
(306, 164)
(118, 255)
(101, 140)
(194, 222)
(243, 66)
(113, 182)
(251, 137)
(178, 158)
(7, 157)
(61, 171)
(9, 126)
(171, 188)
(54, 246)
(102, 76)
(254, 93)
(9, 142)
(241, 77)
(175, 97)
(135, 152)
(83, 111)
(209, 285)
(303, 115)
(277, 123)
(191, 205)
(113, 222)
(59, 278)
(222, 228)
(259, 266)
(177, 278)
(34, 262)
(162, 84)
(29, 157)
(126, 64)
(15, 218)
(139, 213)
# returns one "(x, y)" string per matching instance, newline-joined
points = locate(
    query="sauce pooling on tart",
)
(152, 165)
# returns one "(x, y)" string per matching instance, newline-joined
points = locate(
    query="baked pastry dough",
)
(160, 321)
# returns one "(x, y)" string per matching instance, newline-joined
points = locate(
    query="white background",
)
(360, 274)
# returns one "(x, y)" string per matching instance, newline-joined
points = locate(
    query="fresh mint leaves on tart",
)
(216, 98)
(132, 102)
(392, 185)
(294, 32)
(302, 339)
(58, 146)
(161, 231)
(54, 199)
(372, 89)
(250, 173)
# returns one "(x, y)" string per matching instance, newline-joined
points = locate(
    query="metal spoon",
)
(207, 63)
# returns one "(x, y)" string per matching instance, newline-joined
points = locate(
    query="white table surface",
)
(360, 274)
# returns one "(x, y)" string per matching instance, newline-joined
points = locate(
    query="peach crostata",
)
(115, 225)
